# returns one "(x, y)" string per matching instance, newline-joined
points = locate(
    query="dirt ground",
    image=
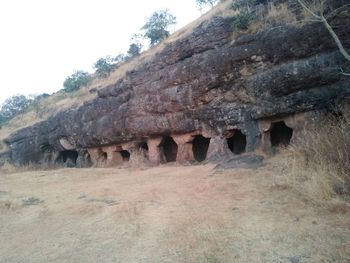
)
(164, 214)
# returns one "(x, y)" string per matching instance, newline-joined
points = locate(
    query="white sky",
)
(44, 41)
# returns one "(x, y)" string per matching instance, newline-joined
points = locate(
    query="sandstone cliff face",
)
(207, 84)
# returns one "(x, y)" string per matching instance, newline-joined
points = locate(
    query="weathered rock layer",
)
(208, 84)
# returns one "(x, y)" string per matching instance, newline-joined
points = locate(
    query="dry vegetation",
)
(164, 214)
(43, 109)
(318, 164)
(275, 15)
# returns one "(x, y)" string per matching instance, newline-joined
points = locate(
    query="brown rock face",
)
(234, 94)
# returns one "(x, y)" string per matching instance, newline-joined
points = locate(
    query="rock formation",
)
(204, 96)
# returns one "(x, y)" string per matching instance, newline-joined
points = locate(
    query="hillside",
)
(226, 142)
(214, 88)
(61, 101)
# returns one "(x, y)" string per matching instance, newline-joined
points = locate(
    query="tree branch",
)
(343, 73)
(333, 13)
(309, 10)
(322, 19)
(336, 39)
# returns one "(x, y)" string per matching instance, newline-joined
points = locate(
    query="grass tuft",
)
(9, 168)
(318, 164)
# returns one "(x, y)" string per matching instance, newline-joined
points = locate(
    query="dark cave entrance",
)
(168, 148)
(280, 134)
(104, 156)
(68, 158)
(143, 146)
(200, 146)
(237, 142)
(125, 155)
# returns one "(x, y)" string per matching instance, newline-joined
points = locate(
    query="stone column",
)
(253, 135)
(95, 154)
(138, 156)
(84, 159)
(218, 149)
(184, 148)
(297, 123)
(154, 151)
(114, 158)
(265, 126)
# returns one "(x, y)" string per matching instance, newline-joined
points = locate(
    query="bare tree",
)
(319, 17)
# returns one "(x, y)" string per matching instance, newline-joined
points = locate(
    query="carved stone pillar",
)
(218, 148)
(154, 151)
(184, 150)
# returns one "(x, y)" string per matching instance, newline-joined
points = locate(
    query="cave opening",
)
(200, 146)
(237, 142)
(168, 148)
(280, 134)
(143, 146)
(104, 156)
(125, 155)
(68, 158)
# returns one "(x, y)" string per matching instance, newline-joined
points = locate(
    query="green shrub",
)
(156, 26)
(134, 50)
(104, 66)
(12, 107)
(243, 20)
(239, 4)
(77, 80)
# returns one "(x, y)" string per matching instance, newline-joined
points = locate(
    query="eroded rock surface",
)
(204, 83)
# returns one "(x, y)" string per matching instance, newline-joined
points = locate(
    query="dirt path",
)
(164, 214)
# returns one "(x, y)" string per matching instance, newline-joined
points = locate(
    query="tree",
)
(135, 47)
(2, 120)
(77, 80)
(104, 66)
(156, 26)
(319, 17)
(134, 50)
(202, 3)
(13, 106)
(119, 59)
(41, 96)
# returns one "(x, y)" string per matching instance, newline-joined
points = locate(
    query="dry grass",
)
(316, 6)
(274, 15)
(291, 13)
(318, 164)
(9, 168)
(280, 14)
(163, 214)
